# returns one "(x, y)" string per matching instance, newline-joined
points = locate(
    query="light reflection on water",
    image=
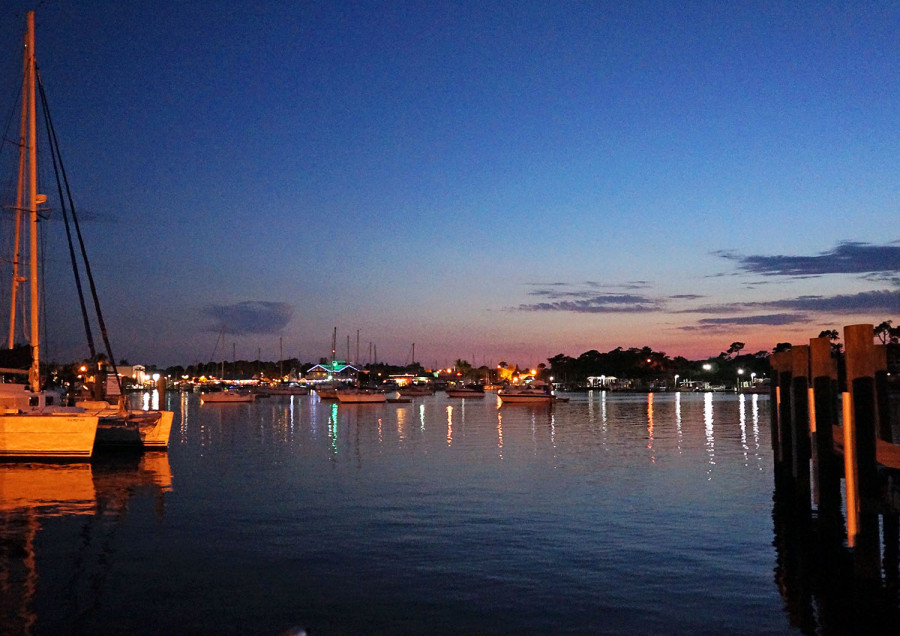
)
(607, 514)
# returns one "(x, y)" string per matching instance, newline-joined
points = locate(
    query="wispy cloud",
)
(598, 304)
(250, 317)
(884, 300)
(768, 319)
(847, 258)
(584, 298)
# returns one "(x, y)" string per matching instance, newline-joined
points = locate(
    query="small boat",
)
(360, 396)
(534, 393)
(468, 391)
(228, 395)
(328, 390)
(281, 389)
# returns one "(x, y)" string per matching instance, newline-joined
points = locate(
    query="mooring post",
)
(781, 411)
(881, 394)
(860, 358)
(799, 431)
(823, 417)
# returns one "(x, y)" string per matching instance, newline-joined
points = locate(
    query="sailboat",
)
(33, 424)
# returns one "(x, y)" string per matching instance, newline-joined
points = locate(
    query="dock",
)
(837, 472)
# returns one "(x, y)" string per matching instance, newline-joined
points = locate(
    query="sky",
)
(491, 181)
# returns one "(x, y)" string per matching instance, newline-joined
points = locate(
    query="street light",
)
(676, 381)
(740, 373)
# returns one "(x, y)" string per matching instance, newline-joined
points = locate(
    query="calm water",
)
(612, 513)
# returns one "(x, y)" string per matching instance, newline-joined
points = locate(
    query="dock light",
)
(707, 367)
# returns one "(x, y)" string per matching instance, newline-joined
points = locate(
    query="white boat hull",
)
(67, 436)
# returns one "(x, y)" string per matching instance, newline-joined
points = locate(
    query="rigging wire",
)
(65, 215)
(54, 149)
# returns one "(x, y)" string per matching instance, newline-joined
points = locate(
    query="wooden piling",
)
(860, 357)
(799, 426)
(781, 415)
(859, 438)
(823, 418)
(881, 394)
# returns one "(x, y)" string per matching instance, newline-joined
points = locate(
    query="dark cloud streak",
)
(250, 317)
(847, 258)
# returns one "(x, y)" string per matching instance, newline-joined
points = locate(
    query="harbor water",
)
(606, 514)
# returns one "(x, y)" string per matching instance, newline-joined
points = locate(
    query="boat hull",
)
(464, 394)
(65, 436)
(526, 399)
(352, 397)
(149, 430)
(155, 436)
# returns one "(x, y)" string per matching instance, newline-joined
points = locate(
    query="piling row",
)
(831, 419)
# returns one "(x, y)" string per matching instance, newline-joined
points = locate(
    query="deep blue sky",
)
(497, 181)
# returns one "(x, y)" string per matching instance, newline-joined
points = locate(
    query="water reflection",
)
(31, 494)
(828, 588)
(449, 425)
(500, 433)
(434, 500)
(678, 434)
(710, 433)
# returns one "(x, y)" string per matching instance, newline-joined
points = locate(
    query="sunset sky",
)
(492, 181)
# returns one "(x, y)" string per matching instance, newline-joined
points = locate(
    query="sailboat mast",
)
(20, 208)
(34, 375)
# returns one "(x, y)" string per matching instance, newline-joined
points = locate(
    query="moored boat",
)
(468, 391)
(148, 430)
(328, 390)
(534, 393)
(33, 424)
(360, 396)
(281, 389)
(227, 395)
